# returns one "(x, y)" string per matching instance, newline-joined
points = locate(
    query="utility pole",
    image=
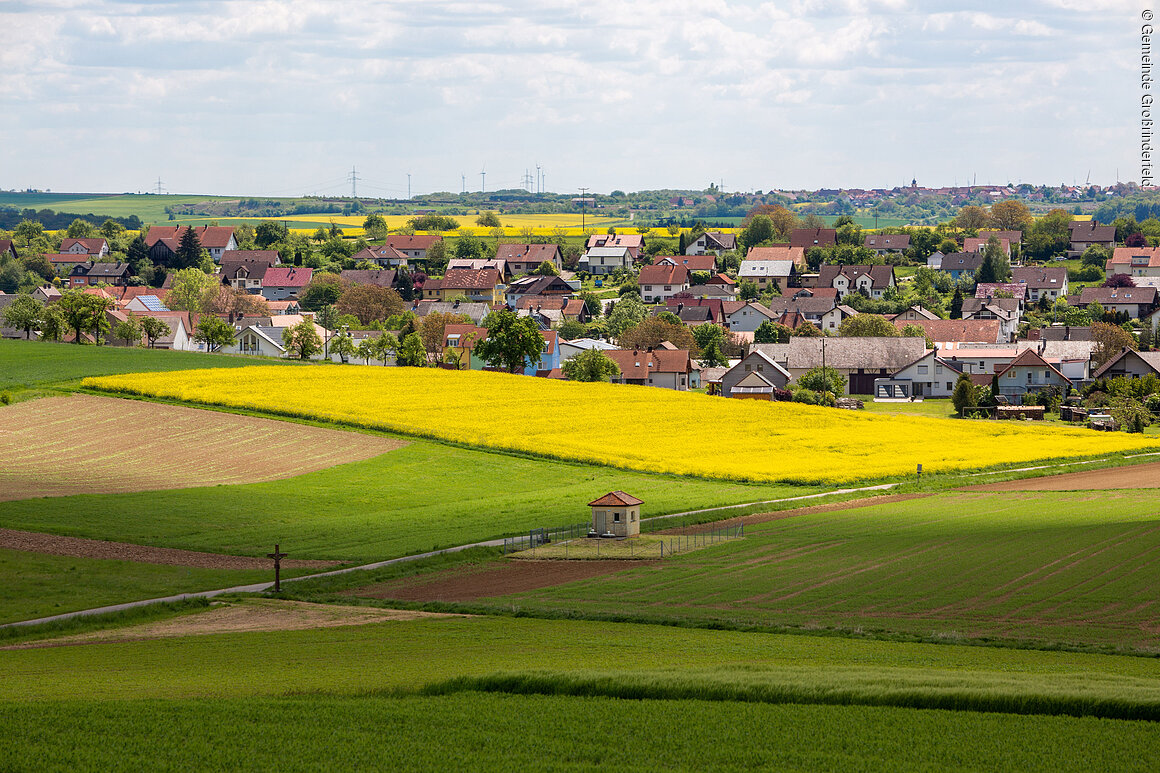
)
(463, 182)
(583, 193)
(483, 180)
(408, 186)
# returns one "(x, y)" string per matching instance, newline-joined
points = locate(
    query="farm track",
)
(104, 445)
(36, 542)
(1140, 476)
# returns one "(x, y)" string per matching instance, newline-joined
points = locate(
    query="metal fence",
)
(694, 537)
(537, 537)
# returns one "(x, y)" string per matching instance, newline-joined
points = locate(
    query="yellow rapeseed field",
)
(638, 428)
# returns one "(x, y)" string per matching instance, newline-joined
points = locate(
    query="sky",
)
(266, 98)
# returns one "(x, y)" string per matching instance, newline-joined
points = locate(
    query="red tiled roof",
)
(637, 364)
(778, 252)
(1031, 358)
(524, 253)
(691, 262)
(469, 335)
(210, 236)
(616, 499)
(470, 279)
(813, 237)
(663, 275)
(415, 242)
(287, 276)
(67, 257)
(379, 252)
(92, 246)
(270, 257)
(962, 330)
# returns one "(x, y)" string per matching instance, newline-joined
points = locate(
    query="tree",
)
(137, 256)
(546, 268)
(128, 330)
(868, 325)
(488, 220)
(468, 248)
(916, 331)
(1109, 341)
(430, 330)
(783, 221)
(591, 365)
(808, 330)
(375, 226)
(712, 356)
(1146, 337)
(593, 305)
(1135, 240)
(268, 233)
(153, 329)
(995, 267)
(760, 229)
(1095, 255)
(302, 340)
(1010, 215)
(747, 290)
(512, 342)
(570, 329)
(964, 395)
(437, 258)
(770, 332)
(823, 380)
(84, 313)
(188, 251)
(957, 304)
(653, 331)
(370, 303)
(80, 229)
(343, 345)
(628, 312)
(410, 353)
(24, 314)
(971, 218)
(1119, 280)
(190, 290)
(325, 289)
(707, 334)
(215, 333)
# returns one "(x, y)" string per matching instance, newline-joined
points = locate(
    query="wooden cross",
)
(277, 555)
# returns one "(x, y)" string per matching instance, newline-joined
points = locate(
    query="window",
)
(1010, 374)
(616, 517)
(950, 386)
(922, 370)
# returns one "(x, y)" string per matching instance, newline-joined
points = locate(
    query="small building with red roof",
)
(616, 514)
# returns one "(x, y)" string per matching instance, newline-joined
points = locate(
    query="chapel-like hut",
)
(616, 514)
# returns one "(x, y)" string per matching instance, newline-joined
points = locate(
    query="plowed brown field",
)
(1137, 476)
(83, 444)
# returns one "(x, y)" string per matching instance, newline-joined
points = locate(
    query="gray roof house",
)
(859, 359)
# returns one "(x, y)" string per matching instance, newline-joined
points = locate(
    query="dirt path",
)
(36, 542)
(1137, 476)
(493, 579)
(248, 615)
(83, 444)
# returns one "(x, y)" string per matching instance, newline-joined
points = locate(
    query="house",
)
(264, 338)
(413, 247)
(269, 257)
(813, 237)
(804, 302)
(689, 315)
(283, 282)
(1137, 302)
(634, 243)
(473, 311)
(569, 349)
(1134, 261)
(796, 255)
(660, 282)
(94, 247)
(977, 244)
(931, 375)
(1089, 233)
(959, 264)
(1005, 310)
(382, 277)
(116, 274)
(245, 275)
(887, 244)
(46, 294)
(476, 264)
(1050, 283)
(555, 307)
(871, 280)
(64, 262)
(914, 313)
(666, 368)
(767, 273)
(990, 290)
(1027, 374)
(164, 241)
(1130, 364)
(544, 286)
(860, 360)
(7, 299)
(458, 342)
(700, 262)
(381, 255)
(482, 285)
(1011, 237)
(754, 377)
(8, 249)
(712, 243)
(748, 316)
(832, 320)
(141, 303)
(526, 258)
(1073, 358)
(181, 330)
(281, 308)
(717, 308)
(722, 291)
(615, 514)
(606, 260)
(976, 331)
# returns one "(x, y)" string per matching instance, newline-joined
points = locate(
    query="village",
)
(769, 312)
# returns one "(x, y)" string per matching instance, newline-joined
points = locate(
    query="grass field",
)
(39, 585)
(640, 429)
(423, 496)
(25, 364)
(504, 732)
(1034, 567)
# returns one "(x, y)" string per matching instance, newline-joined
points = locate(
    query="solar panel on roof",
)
(152, 303)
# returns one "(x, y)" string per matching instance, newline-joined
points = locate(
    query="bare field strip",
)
(248, 615)
(35, 542)
(1139, 476)
(82, 444)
